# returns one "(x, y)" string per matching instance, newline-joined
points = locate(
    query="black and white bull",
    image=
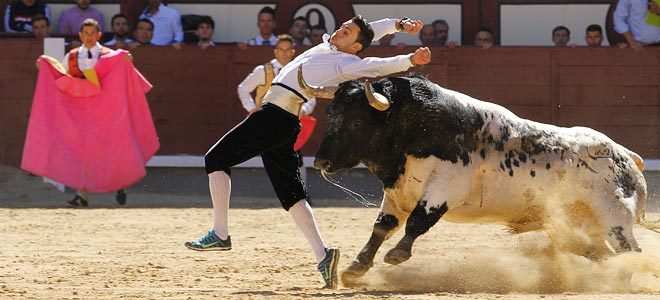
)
(440, 153)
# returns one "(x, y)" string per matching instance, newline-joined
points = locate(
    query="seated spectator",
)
(70, 19)
(386, 40)
(40, 27)
(561, 36)
(630, 19)
(266, 24)
(427, 36)
(316, 34)
(121, 30)
(298, 31)
(19, 14)
(144, 32)
(167, 28)
(441, 32)
(484, 38)
(594, 36)
(204, 33)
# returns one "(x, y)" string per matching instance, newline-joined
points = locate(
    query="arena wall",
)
(194, 99)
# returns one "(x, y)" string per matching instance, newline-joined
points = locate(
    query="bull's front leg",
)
(392, 214)
(419, 222)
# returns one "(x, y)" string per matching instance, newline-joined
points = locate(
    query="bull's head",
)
(354, 128)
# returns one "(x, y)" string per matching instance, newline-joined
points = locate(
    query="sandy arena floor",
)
(138, 254)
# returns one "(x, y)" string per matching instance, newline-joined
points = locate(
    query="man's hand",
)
(411, 26)
(177, 46)
(421, 56)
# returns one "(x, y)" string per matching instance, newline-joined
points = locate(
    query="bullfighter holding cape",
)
(90, 127)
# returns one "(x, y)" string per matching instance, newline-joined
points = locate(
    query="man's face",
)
(266, 23)
(484, 39)
(89, 36)
(29, 2)
(298, 29)
(204, 32)
(120, 26)
(284, 52)
(427, 35)
(345, 37)
(316, 36)
(144, 32)
(594, 39)
(40, 29)
(83, 4)
(441, 32)
(561, 38)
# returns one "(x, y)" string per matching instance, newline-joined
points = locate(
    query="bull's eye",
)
(357, 124)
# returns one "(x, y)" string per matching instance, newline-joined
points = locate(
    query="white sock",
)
(304, 218)
(220, 187)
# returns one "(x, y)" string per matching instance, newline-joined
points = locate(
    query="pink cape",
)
(307, 125)
(89, 138)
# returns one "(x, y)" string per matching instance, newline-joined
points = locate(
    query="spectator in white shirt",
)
(630, 20)
(121, 32)
(167, 24)
(266, 24)
(284, 52)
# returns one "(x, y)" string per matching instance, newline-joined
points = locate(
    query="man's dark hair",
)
(89, 22)
(440, 21)
(486, 29)
(40, 17)
(595, 27)
(117, 16)
(206, 20)
(145, 20)
(366, 34)
(267, 10)
(561, 27)
(301, 18)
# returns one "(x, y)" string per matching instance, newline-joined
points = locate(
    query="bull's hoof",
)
(354, 272)
(397, 256)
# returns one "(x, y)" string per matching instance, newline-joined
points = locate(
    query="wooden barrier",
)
(194, 100)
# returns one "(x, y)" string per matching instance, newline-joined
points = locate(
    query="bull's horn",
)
(318, 92)
(376, 100)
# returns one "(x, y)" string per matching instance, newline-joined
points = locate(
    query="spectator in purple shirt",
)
(70, 19)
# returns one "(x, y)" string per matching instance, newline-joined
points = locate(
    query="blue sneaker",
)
(328, 268)
(210, 242)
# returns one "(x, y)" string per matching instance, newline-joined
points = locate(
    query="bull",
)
(443, 154)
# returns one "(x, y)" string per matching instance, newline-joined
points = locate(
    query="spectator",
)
(70, 19)
(167, 28)
(386, 40)
(316, 34)
(298, 32)
(144, 32)
(484, 38)
(441, 32)
(19, 14)
(561, 36)
(204, 33)
(630, 19)
(594, 36)
(266, 24)
(121, 31)
(427, 36)
(40, 27)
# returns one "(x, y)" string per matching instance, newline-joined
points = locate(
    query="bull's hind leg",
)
(419, 222)
(393, 212)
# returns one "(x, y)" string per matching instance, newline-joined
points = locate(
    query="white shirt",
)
(630, 16)
(84, 62)
(258, 77)
(167, 26)
(324, 65)
(114, 41)
(259, 41)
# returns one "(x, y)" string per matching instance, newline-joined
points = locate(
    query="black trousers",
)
(271, 133)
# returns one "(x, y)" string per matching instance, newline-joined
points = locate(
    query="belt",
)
(285, 97)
